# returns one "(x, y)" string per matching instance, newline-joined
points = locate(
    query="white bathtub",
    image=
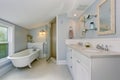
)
(24, 58)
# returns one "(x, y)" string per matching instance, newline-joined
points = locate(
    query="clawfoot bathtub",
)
(24, 58)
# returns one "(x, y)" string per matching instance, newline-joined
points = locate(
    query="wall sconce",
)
(42, 32)
(88, 17)
(92, 26)
(91, 16)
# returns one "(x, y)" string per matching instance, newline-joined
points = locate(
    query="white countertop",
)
(98, 54)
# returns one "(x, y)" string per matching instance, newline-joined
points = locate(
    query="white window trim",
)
(3, 42)
(11, 38)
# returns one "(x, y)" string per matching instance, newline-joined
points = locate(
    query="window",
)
(6, 40)
(3, 42)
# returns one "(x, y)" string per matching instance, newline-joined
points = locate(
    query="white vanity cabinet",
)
(69, 60)
(81, 66)
(94, 67)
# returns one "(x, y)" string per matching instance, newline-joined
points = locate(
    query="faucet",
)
(34, 48)
(80, 43)
(102, 47)
(98, 46)
(106, 48)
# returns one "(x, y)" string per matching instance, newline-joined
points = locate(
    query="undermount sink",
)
(91, 50)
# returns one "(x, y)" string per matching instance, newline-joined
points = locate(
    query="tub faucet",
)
(34, 48)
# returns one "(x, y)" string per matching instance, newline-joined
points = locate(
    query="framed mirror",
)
(106, 17)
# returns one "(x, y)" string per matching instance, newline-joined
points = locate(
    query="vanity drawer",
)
(82, 59)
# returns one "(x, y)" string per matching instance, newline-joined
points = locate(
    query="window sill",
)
(4, 61)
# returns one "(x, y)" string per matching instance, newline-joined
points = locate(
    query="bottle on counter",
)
(71, 34)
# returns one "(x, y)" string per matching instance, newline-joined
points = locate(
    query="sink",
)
(91, 50)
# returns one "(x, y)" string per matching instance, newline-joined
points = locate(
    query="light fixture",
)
(75, 15)
(42, 32)
(91, 16)
(92, 26)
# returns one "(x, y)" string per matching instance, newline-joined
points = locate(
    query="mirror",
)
(106, 17)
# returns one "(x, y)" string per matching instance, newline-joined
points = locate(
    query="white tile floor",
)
(41, 70)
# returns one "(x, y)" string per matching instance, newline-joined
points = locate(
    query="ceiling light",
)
(75, 15)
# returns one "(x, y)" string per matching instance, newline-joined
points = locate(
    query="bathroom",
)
(27, 27)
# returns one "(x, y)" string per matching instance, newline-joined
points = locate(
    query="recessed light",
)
(75, 15)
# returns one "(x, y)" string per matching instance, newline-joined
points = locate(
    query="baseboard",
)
(5, 66)
(42, 55)
(5, 69)
(61, 62)
(53, 60)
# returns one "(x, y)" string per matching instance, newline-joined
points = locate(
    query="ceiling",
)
(34, 13)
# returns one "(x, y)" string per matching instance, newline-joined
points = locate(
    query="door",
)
(53, 39)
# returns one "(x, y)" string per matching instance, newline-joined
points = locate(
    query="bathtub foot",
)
(29, 66)
(37, 59)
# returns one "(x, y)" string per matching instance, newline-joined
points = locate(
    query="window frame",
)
(11, 39)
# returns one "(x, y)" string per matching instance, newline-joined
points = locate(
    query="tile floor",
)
(41, 70)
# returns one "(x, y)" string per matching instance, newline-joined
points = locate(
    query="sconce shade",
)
(92, 26)
(42, 32)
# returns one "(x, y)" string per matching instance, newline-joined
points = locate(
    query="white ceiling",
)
(33, 13)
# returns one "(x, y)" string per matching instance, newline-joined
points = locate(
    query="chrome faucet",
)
(102, 47)
(34, 48)
(80, 43)
(106, 48)
(98, 46)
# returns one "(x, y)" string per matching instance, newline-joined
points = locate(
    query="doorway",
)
(53, 39)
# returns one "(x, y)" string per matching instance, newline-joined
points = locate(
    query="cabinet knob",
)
(78, 61)
(71, 57)
(70, 66)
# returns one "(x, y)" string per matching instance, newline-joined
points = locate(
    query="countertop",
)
(99, 54)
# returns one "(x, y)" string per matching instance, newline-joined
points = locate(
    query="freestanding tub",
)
(24, 58)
